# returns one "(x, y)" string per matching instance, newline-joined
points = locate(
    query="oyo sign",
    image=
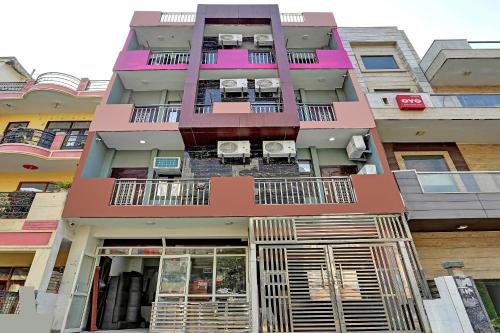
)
(410, 102)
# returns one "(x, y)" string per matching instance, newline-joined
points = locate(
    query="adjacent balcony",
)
(15, 205)
(316, 112)
(461, 197)
(166, 113)
(29, 136)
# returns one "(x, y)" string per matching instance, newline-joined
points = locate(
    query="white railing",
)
(316, 112)
(62, 79)
(302, 57)
(97, 85)
(200, 317)
(178, 17)
(209, 57)
(168, 58)
(292, 17)
(266, 107)
(261, 57)
(168, 113)
(460, 182)
(203, 108)
(304, 190)
(11, 86)
(160, 192)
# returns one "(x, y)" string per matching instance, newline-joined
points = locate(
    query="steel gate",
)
(335, 288)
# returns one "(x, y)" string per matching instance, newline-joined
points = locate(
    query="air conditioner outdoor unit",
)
(230, 39)
(267, 85)
(279, 149)
(233, 85)
(356, 147)
(368, 169)
(167, 165)
(233, 149)
(263, 40)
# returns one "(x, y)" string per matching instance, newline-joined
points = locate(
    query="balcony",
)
(316, 112)
(461, 197)
(166, 113)
(11, 86)
(29, 136)
(460, 62)
(15, 205)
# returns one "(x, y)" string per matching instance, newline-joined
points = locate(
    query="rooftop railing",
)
(29, 136)
(11, 86)
(168, 58)
(15, 205)
(178, 17)
(162, 113)
(459, 182)
(97, 85)
(160, 192)
(304, 190)
(62, 79)
(302, 57)
(316, 112)
(292, 17)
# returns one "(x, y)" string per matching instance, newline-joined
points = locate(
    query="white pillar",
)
(254, 289)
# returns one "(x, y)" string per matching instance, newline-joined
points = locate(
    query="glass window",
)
(426, 162)
(200, 280)
(231, 275)
(34, 187)
(305, 168)
(14, 125)
(379, 62)
(485, 100)
(173, 277)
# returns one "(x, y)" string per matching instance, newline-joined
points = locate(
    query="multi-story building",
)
(233, 176)
(44, 123)
(439, 119)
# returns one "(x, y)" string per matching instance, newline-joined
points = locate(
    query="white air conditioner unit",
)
(233, 149)
(167, 165)
(263, 40)
(279, 149)
(368, 169)
(356, 147)
(230, 39)
(267, 85)
(233, 85)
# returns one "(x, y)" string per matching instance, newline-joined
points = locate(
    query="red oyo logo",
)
(410, 102)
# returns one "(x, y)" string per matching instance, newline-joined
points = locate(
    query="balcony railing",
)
(181, 17)
(11, 86)
(15, 205)
(459, 182)
(261, 57)
(203, 108)
(302, 57)
(74, 141)
(160, 192)
(9, 302)
(200, 317)
(316, 112)
(306, 190)
(61, 79)
(209, 57)
(29, 136)
(168, 58)
(292, 17)
(266, 107)
(168, 113)
(97, 85)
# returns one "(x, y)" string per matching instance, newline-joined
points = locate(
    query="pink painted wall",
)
(235, 59)
(40, 224)
(137, 60)
(24, 238)
(21, 148)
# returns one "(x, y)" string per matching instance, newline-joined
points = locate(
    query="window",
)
(13, 125)
(379, 62)
(36, 187)
(305, 168)
(425, 161)
(11, 278)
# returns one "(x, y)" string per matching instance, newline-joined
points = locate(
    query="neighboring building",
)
(439, 119)
(216, 179)
(43, 128)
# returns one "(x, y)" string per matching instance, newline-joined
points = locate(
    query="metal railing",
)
(168, 58)
(97, 85)
(178, 17)
(15, 205)
(29, 136)
(74, 141)
(304, 190)
(167, 113)
(316, 112)
(460, 182)
(266, 107)
(200, 317)
(292, 17)
(11, 86)
(302, 57)
(62, 79)
(209, 57)
(203, 108)
(9, 302)
(160, 192)
(261, 57)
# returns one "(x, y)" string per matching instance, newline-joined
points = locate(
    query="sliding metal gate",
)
(355, 280)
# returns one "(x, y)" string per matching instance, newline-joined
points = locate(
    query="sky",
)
(83, 37)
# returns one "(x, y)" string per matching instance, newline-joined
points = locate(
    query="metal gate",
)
(335, 288)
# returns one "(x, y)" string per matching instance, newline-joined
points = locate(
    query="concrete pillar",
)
(254, 289)
(315, 161)
(107, 162)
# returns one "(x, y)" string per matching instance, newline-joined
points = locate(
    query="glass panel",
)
(147, 251)
(379, 62)
(231, 250)
(19, 274)
(201, 251)
(81, 124)
(4, 273)
(426, 162)
(116, 251)
(200, 280)
(175, 251)
(439, 182)
(231, 275)
(55, 125)
(51, 187)
(171, 299)
(174, 275)
(305, 168)
(479, 100)
(76, 311)
(85, 275)
(33, 187)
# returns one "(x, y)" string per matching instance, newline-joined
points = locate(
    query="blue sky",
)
(83, 38)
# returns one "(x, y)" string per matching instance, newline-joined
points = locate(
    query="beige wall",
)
(16, 259)
(478, 250)
(481, 157)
